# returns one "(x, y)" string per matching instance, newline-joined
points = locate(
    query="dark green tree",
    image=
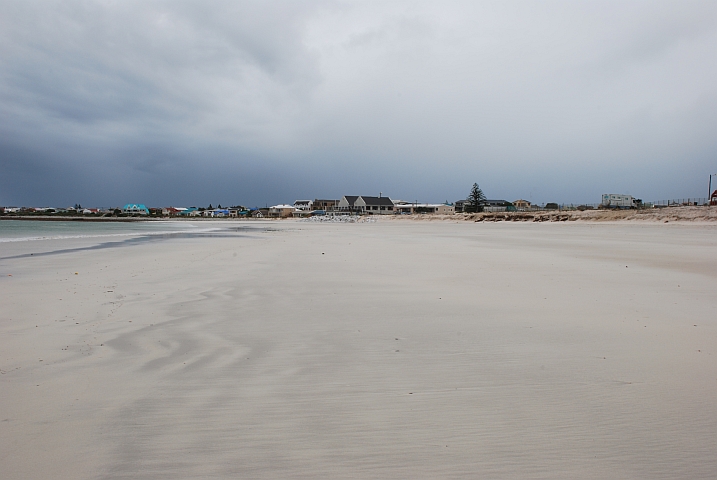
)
(210, 207)
(475, 200)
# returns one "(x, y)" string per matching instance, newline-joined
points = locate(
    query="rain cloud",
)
(248, 102)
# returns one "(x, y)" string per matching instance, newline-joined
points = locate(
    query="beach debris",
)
(77, 273)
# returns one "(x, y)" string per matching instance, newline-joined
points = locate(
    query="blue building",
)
(190, 212)
(135, 209)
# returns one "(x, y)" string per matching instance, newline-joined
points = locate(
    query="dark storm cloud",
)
(255, 102)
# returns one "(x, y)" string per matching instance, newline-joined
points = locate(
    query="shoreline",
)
(125, 219)
(49, 218)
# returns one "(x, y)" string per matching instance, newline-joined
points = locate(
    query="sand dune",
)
(681, 214)
(380, 350)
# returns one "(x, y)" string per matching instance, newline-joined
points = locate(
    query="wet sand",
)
(380, 350)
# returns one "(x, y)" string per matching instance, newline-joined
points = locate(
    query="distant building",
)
(281, 211)
(615, 200)
(498, 206)
(235, 212)
(216, 213)
(375, 205)
(190, 212)
(487, 205)
(135, 209)
(348, 203)
(173, 211)
(303, 205)
(432, 208)
(521, 204)
(325, 205)
(363, 204)
(460, 205)
(302, 213)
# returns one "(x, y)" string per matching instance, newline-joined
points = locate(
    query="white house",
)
(433, 208)
(304, 205)
(281, 211)
(364, 204)
(616, 200)
(347, 203)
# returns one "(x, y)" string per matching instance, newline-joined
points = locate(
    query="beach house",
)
(173, 211)
(303, 205)
(460, 205)
(375, 205)
(190, 212)
(135, 209)
(216, 213)
(521, 204)
(498, 206)
(364, 204)
(325, 205)
(348, 203)
(432, 208)
(281, 211)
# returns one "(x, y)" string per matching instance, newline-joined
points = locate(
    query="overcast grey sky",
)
(239, 102)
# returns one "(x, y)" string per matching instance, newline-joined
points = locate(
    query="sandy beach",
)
(394, 349)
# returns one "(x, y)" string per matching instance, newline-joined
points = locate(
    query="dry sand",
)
(379, 350)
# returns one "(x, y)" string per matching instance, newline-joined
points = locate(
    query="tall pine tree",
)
(475, 200)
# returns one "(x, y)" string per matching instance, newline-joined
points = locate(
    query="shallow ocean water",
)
(20, 230)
